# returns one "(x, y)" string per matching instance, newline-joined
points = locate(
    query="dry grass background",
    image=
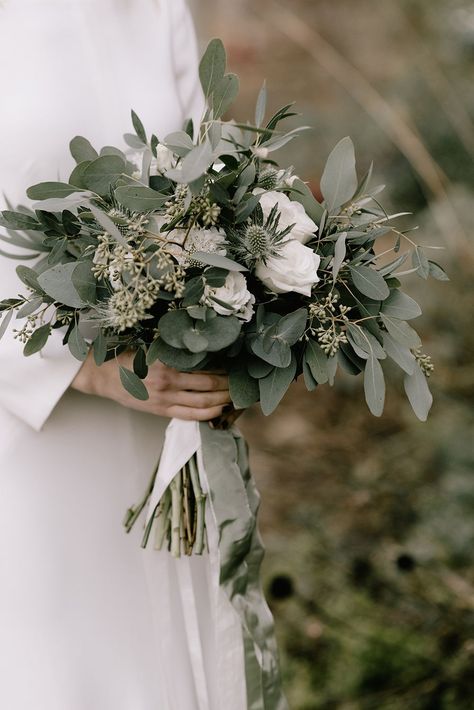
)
(369, 522)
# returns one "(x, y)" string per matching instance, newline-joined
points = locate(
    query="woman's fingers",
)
(194, 413)
(200, 382)
(200, 400)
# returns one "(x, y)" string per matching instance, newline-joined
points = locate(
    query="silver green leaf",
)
(369, 282)
(37, 340)
(401, 331)
(399, 305)
(57, 283)
(418, 393)
(317, 362)
(274, 386)
(399, 353)
(374, 386)
(339, 179)
(133, 384)
(77, 345)
(81, 149)
(212, 66)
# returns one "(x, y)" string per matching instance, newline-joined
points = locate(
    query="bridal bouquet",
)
(198, 250)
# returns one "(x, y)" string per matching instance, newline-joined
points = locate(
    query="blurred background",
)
(369, 523)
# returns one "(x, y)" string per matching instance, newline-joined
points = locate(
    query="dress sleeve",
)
(185, 61)
(30, 387)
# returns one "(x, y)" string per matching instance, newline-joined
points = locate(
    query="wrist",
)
(85, 380)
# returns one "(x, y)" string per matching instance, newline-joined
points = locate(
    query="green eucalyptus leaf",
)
(274, 386)
(179, 142)
(258, 368)
(278, 353)
(302, 194)
(374, 386)
(139, 129)
(418, 393)
(420, 263)
(172, 327)
(77, 345)
(18, 220)
(5, 322)
(100, 349)
(437, 272)
(37, 340)
(140, 198)
(225, 94)
(195, 341)
(140, 366)
(193, 165)
(317, 361)
(399, 305)
(369, 282)
(339, 254)
(29, 277)
(212, 66)
(84, 281)
(245, 208)
(176, 358)
(339, 179)
(401, 331)
(76, 178)
(220, 331)
(291, 327)
(47, 190)
(133, 384)
(399, 354)
(261, 106)
(57, 283)
(222, 262)
(108, 225)
(309, 381)
(364, 342)
(81, 149)
(244, 390)
(103, 173)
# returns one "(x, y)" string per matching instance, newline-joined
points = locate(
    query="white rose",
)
(233, 298)
(294, 269)
(290, 213)
(164, 160)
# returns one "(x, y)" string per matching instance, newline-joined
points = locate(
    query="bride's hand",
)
(193, 396)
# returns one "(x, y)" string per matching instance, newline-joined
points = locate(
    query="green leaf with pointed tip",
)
(225, 94)
(374, 386)
(81, 149)
(437, 272)
(47, 190)
(274, 386)
(140, 198)
(193, 165)
(139, 129)
(401, 331)
(29, 277)
(399, 305)
(133, 384)
(370, 282)
(103, 173)
(5, 323)
(261, 106)
(77, 345)
(18, 220)
(37, 340)
(291, 327)
(84, 281)
(399, 354)
(339, 179)
(420, 263)
(222, 262)
(100, 349)
(418, 393)
(212, 66)
(302, 194)
(364, 343)
(317, 361)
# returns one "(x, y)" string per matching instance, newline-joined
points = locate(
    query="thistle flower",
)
(259, 239)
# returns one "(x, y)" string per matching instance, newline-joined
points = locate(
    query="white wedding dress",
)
(89, 620)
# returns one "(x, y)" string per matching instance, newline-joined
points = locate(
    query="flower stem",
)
(200, 507)
(176, 514)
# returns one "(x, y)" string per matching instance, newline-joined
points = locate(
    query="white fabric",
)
(88, 620)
